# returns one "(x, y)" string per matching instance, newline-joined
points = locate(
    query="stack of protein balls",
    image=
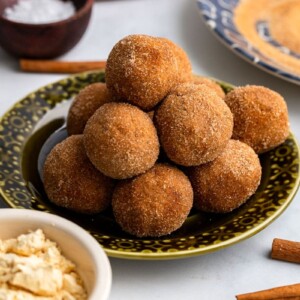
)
(155, 140)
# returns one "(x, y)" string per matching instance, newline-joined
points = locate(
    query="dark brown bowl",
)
(44, 40)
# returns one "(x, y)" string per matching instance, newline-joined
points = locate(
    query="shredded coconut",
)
(39, 11)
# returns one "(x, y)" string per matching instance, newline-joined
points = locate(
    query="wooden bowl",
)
(44, 40)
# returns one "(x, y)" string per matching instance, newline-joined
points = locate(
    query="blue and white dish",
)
(218, 15)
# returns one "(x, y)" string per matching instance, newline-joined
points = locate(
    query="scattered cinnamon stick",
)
(286, 250)
(288, 292)
(52, 66)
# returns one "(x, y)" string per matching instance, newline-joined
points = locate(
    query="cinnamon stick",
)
(286, 250)
(52, 66)
(288, 292)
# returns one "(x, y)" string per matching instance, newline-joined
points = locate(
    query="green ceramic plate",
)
(25, 128)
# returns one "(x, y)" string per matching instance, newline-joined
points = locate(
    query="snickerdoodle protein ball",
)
(195, 127)
(72, 182)
(121, 140)
(153, 204)
(260, 117)
(88, 100)
(141, 70)
(228, 181)
(209, 82)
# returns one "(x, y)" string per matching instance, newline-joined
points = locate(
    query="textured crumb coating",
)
(153, 204)
(71, 181)
(227, 182)
(209, 82)
(121, 140)
(184, 88)
(141, 70)
(260, 117)
(184, 65)
(85, 104)
(193, 128)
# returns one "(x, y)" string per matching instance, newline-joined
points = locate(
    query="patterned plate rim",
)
(246, 56)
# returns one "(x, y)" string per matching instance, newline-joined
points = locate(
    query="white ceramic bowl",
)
(76, 244)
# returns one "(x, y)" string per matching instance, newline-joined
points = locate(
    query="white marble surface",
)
(240, 268)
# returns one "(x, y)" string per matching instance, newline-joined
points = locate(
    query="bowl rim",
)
(98, 255)
(78, 14)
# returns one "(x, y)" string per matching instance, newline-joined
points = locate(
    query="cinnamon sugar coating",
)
(182, 60)
(85, 104)
(153, 204)
(196, 79)
(121, 140)
(71, 181)
(227, 182)
(184, 89)
(141, 70)
(260, 117)
(195, 127)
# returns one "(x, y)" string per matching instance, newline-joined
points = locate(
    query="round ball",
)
(71, 181)
(194, 128)
(85, 104)
(260, 117)
(227, 182)
(153, 204)
(210, 83)
(141, 70)
(121, 140)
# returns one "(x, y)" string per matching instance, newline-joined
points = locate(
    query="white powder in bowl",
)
(33, 267)
(39, 11)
